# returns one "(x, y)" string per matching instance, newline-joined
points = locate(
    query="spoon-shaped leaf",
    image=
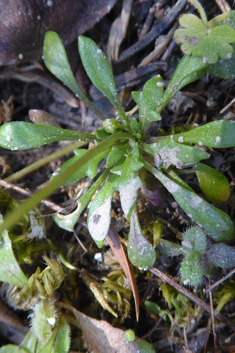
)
(19, 135)
(170, 152)
(98, 69)
(42, 118)
(219, 134)
(56, 61)
(214, 185)
(140, 252)
(68, 221)
(99, 215)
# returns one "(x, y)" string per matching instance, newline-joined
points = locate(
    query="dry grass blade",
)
(117, 248)
(118, 30)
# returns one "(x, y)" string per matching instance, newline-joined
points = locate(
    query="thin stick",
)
(22, 191)
(192, 297)
(227, 106)
(212, 320)
(216, 284)
(223, 5)
(160, 47)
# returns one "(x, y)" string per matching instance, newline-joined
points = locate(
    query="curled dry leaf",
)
(25, 22)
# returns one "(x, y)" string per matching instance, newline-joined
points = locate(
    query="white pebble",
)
(181, 139)
(98, 257)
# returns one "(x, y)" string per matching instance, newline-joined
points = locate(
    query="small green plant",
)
(209, 40)
(200, 257)
(129, 152)
(206, 39)
(130, 157)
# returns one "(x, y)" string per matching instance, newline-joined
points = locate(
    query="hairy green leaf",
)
(62, 341)
(29, 342)
(224, 68)
(221, 255)
(56, 61)
(194, 239)
(192, 269)
(168, 248)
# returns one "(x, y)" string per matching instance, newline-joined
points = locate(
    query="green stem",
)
(80, 94)
(201, 11)
(44, 161)
(125, 121)
(85, 199)
(31, 202)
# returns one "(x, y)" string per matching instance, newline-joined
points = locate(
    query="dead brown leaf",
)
(100, 336)
(117, 248)
(24, 23)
